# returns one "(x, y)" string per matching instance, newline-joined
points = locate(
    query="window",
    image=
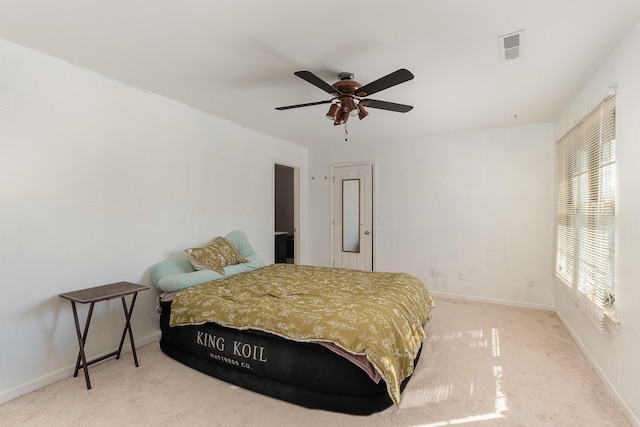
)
(585, 227)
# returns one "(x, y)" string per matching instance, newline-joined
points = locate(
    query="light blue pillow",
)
(176, 274)
(177, 282)
(254, 262)
(241, 243)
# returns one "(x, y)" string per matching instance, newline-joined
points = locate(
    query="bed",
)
(324, 338)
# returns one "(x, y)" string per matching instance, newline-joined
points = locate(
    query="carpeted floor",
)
(482, 365)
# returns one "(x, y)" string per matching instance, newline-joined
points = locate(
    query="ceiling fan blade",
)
(384, 105)
(288, 107)
(318, 82)
(395, 78)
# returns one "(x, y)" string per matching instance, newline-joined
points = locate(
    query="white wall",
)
(98, 182)
(480, 201)
(615, 355)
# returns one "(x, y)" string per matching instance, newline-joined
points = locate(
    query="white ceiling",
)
(236, 59)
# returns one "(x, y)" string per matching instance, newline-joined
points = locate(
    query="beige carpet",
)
(482, 365)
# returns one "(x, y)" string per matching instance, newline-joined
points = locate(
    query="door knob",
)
(366, 232)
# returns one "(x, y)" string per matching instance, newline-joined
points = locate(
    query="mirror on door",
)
(351, 215)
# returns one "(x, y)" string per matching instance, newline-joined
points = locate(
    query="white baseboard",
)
(631, 416)
(67, 371)
(60, 374)
(493, 301)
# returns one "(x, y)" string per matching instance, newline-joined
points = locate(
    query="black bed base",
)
(305, 374)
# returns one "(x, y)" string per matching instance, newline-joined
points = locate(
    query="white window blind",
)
(585, 230)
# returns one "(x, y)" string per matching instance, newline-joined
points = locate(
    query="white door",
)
(353, 216)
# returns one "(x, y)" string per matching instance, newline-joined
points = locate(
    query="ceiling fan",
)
(349, 95)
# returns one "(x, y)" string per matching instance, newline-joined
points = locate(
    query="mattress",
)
(276, 329)
(307, 374)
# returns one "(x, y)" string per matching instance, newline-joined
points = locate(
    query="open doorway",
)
(285, 214)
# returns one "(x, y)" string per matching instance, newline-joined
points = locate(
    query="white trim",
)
(62, 373)
(498, 301)
(296, 202)
(626, 410)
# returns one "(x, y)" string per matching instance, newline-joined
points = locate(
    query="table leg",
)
(127, 327)
(82, 338)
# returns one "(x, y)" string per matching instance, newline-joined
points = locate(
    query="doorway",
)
(352, 216)
(285, 214)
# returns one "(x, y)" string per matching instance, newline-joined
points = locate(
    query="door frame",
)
(373, 207)
(296, 204)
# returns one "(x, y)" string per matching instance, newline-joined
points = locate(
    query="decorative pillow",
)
(215, 255)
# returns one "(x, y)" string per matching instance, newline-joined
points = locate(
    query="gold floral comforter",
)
(379, 315)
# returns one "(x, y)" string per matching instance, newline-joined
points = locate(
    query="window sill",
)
(611, 319)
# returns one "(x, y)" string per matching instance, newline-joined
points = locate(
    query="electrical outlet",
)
(433, 272)
(462, 275)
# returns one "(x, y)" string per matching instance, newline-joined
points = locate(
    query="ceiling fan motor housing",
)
(347, 86)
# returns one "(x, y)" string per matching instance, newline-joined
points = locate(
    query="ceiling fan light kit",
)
(332, 114)
(349, 95)
(362, 113)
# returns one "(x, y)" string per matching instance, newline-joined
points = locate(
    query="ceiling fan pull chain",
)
(346, 133)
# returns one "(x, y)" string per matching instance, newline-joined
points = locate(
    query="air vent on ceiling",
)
(510, 45)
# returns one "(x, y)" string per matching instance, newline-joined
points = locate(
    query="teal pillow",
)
(241, 242)
(254, 262)
(176, 274)
(177, 282)
(170, 267)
